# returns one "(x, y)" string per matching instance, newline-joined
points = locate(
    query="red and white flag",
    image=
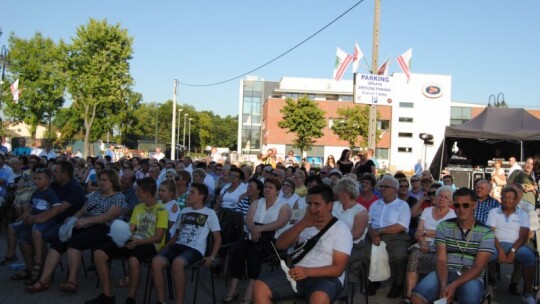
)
(342, 63)
(383, 70)
(15, 90)
(356, 57)
(404, 62)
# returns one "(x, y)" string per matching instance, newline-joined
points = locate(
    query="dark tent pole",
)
(442, 154)
(521, 154)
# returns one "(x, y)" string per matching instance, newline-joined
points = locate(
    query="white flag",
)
(15, 90)
(356, 57)
(404, 62)
(342, 63)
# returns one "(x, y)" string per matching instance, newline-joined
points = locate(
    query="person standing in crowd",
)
(270, 158)
(526, 179)
(498, 180)
(48, 152)
(366, 165)
(22, 149)
(418, 168)
(459, 264)
(344, 164)
(514, 165)
(416, 187)
(290, 159)
(367, 197)
(330, 162)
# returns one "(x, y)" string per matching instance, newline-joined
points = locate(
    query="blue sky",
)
(487, 46)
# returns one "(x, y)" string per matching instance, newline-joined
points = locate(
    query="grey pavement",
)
(13, 291)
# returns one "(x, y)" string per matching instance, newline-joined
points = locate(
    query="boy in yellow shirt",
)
(148, 224)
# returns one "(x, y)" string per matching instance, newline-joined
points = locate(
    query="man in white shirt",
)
(514, 165)
(511, 227)
(389, 222)
(319, 275)
(48, 152)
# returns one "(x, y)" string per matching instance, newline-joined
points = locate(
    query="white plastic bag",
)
(379, 268)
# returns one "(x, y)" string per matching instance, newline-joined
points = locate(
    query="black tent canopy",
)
(515, 132)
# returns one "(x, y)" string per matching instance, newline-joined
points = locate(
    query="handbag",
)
(23, 196)
(379, 268)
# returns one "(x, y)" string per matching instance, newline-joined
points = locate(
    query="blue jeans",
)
(428, 289)
(524, 254)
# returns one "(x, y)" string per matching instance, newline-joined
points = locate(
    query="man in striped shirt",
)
(464, 247)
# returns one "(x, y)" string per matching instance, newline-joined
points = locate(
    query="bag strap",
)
(300, 253)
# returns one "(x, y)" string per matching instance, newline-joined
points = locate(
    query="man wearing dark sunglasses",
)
(464, 247)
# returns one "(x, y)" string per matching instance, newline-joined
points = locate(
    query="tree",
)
(98, 72)
(38, 64)
(304, 118)
(352, 125)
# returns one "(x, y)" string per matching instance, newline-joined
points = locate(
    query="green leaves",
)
(305, 118)
(352, 125)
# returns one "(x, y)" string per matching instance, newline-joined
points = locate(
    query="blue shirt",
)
(72, 193)
(5, 176)
(22, 151)
(43, 200)
(483, 207)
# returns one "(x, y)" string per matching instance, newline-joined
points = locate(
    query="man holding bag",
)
(389, 222)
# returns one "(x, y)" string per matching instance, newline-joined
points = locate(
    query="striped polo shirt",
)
(458, 252)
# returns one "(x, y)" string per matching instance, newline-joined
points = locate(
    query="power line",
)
(276, 58)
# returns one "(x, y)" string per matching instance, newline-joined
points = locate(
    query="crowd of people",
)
(324, 223)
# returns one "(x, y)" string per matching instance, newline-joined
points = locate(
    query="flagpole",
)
(372, 143)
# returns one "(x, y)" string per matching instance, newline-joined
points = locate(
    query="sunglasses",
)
(464, 205)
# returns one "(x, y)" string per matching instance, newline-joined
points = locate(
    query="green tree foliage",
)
(99, 80)
(304, 118)
(352, 125)
(38, 64)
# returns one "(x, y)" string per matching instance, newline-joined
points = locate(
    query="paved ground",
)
(13, 291)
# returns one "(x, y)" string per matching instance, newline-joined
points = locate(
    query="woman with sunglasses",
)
(422, 254)
(330, 161)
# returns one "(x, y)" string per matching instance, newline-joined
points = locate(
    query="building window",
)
(332, 97)
(381, 153)
(346, 98)
(406, 105)
(311, 96)
(292, 95)
(405, 149)
(460, 115)
(406, 119)
(383, 125)
(404, 134)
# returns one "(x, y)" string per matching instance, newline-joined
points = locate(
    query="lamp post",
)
(189, 137)
(3, 57)
(184, 138)
(157, 113)
(173, 123)
(178, 133)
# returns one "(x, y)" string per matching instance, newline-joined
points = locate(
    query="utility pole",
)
(173, 124)
(372, 133)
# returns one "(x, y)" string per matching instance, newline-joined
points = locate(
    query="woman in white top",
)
(347, 209)
(231, 192)
(422, 255)
(265, 220)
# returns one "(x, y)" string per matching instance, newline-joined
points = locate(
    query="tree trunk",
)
(88, 122)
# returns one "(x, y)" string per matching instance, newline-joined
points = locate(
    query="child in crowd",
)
(29, 231)
(188, 245)
(167, 195)
(148, 224)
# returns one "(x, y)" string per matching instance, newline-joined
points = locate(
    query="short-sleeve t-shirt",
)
(72, 193)
(383, 215)
(43, 200)
(194, 226)
(507, 228)
(338, 238)
(430, 223)
(148, 219)
(97, 204)
(231, 199)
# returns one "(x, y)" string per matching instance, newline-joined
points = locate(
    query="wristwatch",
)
(513, 250)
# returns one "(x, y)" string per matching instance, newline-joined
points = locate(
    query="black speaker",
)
(461, 178)
(478, 175)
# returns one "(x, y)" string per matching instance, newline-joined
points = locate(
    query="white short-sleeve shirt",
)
(507, 228)
(194, 226)
(430, 223)
(338, 238)
(383, 215)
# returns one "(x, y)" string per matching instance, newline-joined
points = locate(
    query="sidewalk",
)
(13, 291)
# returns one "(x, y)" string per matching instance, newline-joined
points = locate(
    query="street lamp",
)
(189, 137)
(184, 139)
(3, 57)
(178, 133)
